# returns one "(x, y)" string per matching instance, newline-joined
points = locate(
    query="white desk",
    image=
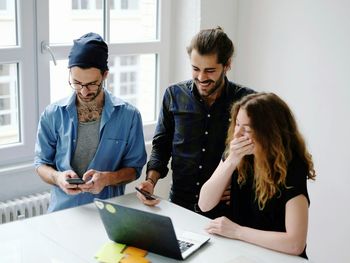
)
(75, 235)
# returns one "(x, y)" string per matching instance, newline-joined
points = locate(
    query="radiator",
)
(24, 207)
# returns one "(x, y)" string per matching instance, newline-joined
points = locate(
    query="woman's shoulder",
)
(296, 181)
(298, 165)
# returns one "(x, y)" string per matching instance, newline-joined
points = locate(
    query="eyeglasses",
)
(79, 86)
(89, 86)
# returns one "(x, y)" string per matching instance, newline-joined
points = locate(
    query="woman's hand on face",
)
(241, 146)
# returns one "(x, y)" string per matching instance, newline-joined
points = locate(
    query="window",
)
(18, 116)
(137, 35)
(9, 119)
(133, 57)
(8, 23)
(133, 79)
(3, 4)
(86, 4)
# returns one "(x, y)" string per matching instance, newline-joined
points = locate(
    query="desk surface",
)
(75, 235)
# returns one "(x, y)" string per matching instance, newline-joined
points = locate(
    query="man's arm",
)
(51, 176)
(161, 150)
(162, 139)
(47, 174)
(96, 181)
(148, 185)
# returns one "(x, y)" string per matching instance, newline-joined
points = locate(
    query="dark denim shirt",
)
(193, 134)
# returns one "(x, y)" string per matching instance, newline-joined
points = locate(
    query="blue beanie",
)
(89, 51)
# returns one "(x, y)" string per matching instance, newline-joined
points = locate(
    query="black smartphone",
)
(75, 181)
(146, 194)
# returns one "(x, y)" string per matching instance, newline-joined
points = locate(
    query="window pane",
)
(80, 17)
(8, 23)
(133, 20)
(132, 78)
(59, 74)
(9, 110)
(134, 83)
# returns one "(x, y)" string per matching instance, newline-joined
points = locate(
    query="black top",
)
(245, 210)
(193, 134)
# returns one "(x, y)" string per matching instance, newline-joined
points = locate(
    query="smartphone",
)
(75, 181)
(146, 194)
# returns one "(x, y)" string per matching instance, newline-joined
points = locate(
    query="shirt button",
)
(196, 196)
(73, 140)
(200, 167)
(229, 119)
(197, 183)
(206, 133)
(203, 150)
(208, 115)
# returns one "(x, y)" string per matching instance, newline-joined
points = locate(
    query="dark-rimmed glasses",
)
(89, 86)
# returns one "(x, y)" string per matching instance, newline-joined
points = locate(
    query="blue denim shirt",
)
(121, 145)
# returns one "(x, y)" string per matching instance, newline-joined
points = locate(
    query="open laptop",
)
(148, 231)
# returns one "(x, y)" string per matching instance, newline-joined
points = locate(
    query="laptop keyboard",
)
(184, 245)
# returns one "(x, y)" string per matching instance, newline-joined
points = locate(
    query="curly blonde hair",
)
(277, 139)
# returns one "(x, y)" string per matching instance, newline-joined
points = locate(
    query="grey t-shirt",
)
(87, 143)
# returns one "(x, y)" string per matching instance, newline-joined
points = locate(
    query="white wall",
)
(301, 50)
(188, 17)
(221, 13)
(185, 19)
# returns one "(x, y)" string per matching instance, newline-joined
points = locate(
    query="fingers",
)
(146, 201)
(148, 187)
(151, 202)
(93, 182)
(225, 198)
(216, 226)
(226, 195)
(240, 142)
(242, 146)
(91, 186)
(212, 227)
(73, 189)
(224, 227)
(89, 174)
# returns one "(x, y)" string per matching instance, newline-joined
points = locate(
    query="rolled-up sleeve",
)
(135, 152)
(45, 146)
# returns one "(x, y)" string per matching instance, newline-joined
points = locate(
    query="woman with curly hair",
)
(267, 165)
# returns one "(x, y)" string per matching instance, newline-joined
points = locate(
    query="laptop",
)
(148, 231)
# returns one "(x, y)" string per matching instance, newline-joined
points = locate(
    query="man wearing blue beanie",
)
(90, 144)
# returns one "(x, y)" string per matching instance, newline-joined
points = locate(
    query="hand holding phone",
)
(75, 181)
(146, 194)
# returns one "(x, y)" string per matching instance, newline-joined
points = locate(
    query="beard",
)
(91, 97)
(217, 85)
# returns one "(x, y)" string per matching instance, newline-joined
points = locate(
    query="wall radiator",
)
(24, 207)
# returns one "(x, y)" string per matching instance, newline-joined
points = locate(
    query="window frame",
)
(23, 54)
(34, 71)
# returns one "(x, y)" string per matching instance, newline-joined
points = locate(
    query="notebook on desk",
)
(148, 231)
